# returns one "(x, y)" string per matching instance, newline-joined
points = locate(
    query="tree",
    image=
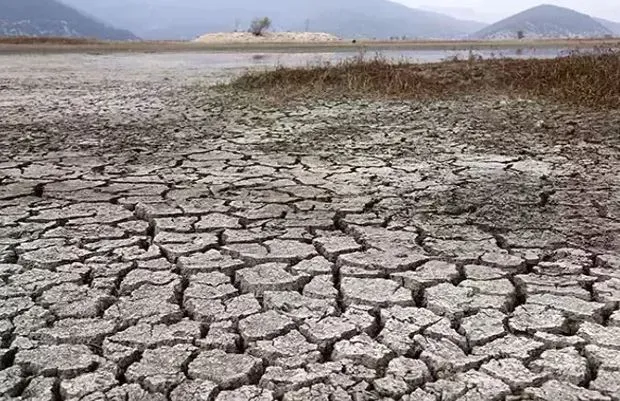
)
(520, 34)
(259, 26)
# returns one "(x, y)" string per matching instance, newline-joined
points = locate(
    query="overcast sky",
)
(490, 10)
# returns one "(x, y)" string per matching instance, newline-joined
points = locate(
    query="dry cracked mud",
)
(161, 240)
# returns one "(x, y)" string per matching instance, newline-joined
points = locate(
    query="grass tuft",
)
(583, 79)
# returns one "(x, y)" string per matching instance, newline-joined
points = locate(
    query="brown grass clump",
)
(46, 40)
(590, 80)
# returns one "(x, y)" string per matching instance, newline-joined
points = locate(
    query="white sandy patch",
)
(269, 37)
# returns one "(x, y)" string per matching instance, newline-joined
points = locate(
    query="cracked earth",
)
(160, 240)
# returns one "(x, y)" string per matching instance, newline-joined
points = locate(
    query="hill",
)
(613, 26)
(187, 19)
(545, 21)
(52, 18)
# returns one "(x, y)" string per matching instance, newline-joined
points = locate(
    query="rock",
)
(608, 337)
(208, 262)
(66, 361)
(456, 302)
(565, 365)
(575, 308)
(532, 318)
(427, 275)
(264, 326)
(514, 373)
(298, 307)
(401, 324)
(100, 381)
(603, 358)
(484, 327)
(268, 277)
(289, 351)
(228, 371)
(11, 381)
(607, 382)
(444, 357)
(200, 390)
(378, 293)
(232, 309)
(160, 369)
(364, 350)
(76, 331)
(334, 246)
(321, 287)
(317, 266)
(510, 346)
(246, 393)
(554, 390)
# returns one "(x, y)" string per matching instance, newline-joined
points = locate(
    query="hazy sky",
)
(496, 9)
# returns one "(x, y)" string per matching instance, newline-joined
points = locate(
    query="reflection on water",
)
(229, 60)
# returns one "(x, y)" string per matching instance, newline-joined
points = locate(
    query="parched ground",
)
(161, 240)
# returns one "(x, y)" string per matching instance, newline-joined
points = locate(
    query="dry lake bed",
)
(161, 239)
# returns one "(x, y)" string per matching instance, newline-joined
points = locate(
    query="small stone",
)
(226, 370)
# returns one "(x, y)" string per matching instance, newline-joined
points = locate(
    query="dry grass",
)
(589, 80)
(15, 45)
(46, 40)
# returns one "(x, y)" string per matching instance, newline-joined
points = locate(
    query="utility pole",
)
(307, 25)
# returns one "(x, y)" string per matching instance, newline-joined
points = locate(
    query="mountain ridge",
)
(346, 18)
(545, 21)
(53, 18)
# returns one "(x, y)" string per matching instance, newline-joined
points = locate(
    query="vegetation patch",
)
(47, 40)
(582, 79)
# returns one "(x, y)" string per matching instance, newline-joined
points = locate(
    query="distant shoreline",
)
(61, 45)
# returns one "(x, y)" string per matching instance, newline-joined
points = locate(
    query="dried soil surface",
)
(161, 240)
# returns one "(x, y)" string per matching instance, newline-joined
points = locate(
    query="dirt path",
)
(161, 240)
